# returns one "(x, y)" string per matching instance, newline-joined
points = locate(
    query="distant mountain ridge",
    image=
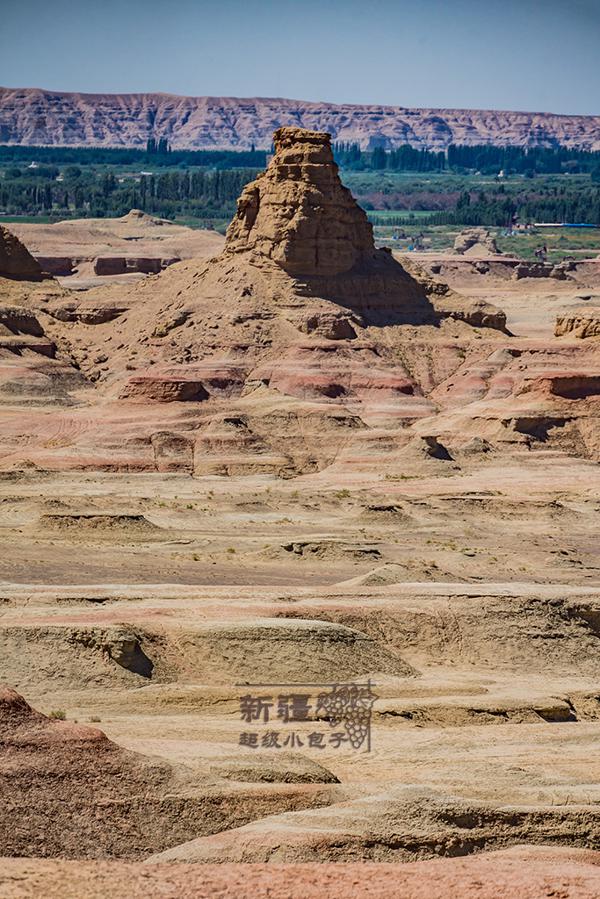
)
(36, 117)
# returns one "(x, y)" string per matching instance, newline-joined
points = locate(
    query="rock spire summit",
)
(299, 214)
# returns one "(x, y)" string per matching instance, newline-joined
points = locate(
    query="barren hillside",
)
(32, 116)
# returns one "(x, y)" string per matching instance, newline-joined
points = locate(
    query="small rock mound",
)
(93, 524)
(15, 320)
(15, 712)
(139, 217)
(15, 259)
(475, 242)
(285, 650)
(427, 447)
(331, 550)
(328, 325)
(381, 576)
(265, 768)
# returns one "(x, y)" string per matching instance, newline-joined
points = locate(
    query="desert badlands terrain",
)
(287, 461)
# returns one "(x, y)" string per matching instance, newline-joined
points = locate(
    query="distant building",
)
(564, 225)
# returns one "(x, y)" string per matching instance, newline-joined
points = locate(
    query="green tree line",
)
(78, 189)
(194, 192)
(501, 210)
(156, 154)
(487, 159)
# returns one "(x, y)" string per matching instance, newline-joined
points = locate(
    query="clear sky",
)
(536, 55)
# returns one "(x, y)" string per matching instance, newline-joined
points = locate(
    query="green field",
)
(560, 242)
(29, 219)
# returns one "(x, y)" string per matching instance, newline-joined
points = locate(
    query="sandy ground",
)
(135, 235)
(501, 708)
(526, 871)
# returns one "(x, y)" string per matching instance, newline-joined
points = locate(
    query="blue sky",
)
(511, 54)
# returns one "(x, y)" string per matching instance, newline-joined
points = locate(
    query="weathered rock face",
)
(302, 229)
(61, 266)
(530, 269)
(37, 117)
(578, 323)
(299, 214)
(15, 259)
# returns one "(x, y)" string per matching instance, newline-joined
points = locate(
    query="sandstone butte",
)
(36, 117)
(301, 459)
(299, 214)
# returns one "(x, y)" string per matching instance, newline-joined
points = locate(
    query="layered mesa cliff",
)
(39, 117)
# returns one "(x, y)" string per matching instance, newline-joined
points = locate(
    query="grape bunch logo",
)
(335, 715)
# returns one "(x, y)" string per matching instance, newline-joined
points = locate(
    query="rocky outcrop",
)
(558, 271)
(20, 330)
(475, 242)
(477, 313)
(448, 304)
(15, 259)
(394, 825)
(64, 772)
(297, 218)
(578, 323)
(299, 214)
(16, 320)
(57, 266)
(186, 383)
(37, 117)
(122, 265)
(86, 312)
